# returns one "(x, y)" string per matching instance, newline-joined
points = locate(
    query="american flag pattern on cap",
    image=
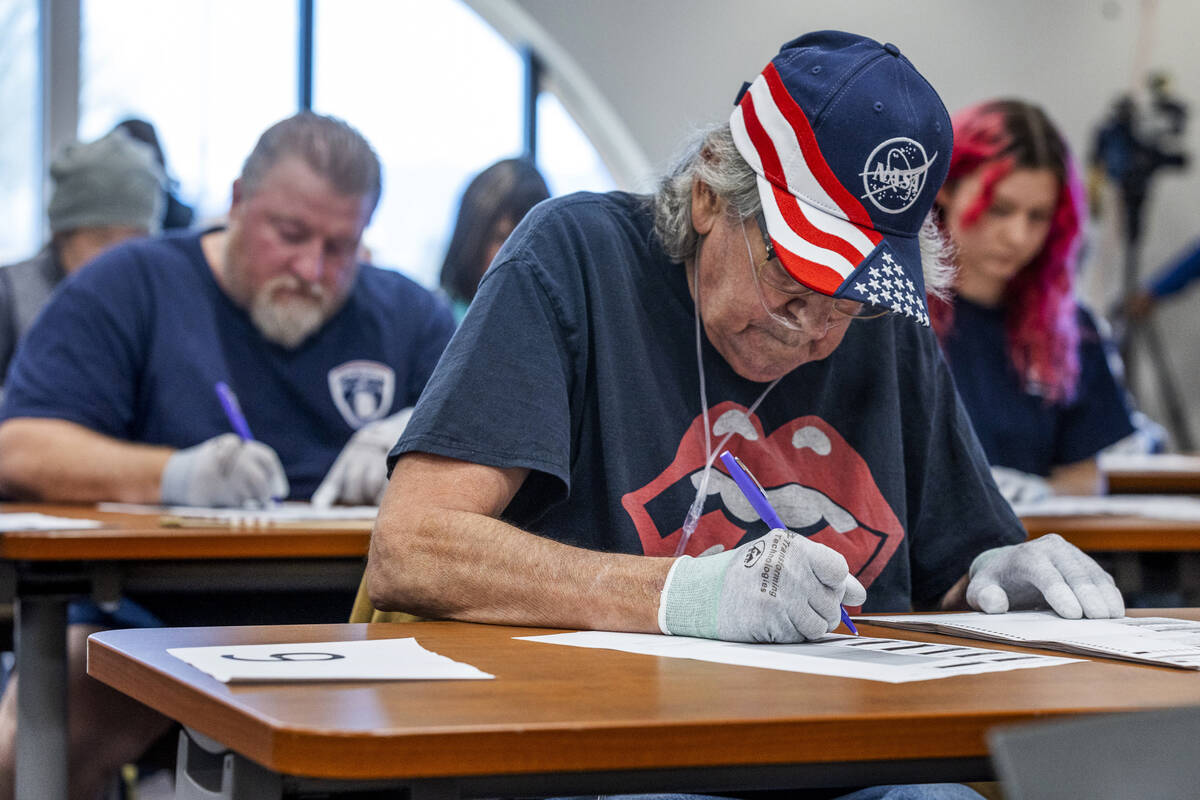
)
(884, 283)
(822, 233)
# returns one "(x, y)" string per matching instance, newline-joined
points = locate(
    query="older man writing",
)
(768, 299)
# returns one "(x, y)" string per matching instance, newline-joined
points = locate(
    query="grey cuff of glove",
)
(691, 596)
(175, 478)
(986, 556)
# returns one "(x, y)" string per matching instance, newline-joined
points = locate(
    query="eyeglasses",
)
(770, 271)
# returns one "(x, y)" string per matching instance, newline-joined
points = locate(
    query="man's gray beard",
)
(286, 322)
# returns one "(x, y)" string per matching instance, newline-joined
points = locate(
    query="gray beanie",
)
(114, 180)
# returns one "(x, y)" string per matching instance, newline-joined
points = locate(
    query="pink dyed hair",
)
(1000, 136)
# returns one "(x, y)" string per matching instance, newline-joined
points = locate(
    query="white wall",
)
(666, 65)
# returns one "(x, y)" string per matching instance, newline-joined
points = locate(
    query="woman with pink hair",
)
(1026, 357)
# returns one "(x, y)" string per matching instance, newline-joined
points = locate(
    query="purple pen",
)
(758, 500)
(233, 411)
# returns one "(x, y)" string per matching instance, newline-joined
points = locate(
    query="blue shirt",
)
(132, 346)
(1019, 429)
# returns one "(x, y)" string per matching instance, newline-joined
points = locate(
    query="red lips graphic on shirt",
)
(816, 481)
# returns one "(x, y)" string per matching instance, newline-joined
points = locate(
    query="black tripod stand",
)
(1132, 159)
(1134, 334)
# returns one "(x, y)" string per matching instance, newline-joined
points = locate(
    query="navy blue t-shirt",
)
(577, 361)
(132, 346)
(1018, 428)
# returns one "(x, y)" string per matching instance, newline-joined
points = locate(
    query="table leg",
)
(206, 770)
(41, 643)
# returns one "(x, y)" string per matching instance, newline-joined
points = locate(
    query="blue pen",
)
(233, 411)
(758, 499)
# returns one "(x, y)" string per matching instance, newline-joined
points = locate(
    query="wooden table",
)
(1152, 482)
(1150, 474)
(1111, 533)
(563, 720)
(42, 570)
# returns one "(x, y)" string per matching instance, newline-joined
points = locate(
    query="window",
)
(565, 156)
(439, 95)
(211, 75)
(433, 87)
(20, 140)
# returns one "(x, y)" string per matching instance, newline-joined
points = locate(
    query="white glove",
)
(1020, 487)
(1047, 570)
(224, 471)
(359, 473)
(781, 587)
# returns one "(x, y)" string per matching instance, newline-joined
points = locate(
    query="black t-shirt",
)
(577, 361)
(1017, 427)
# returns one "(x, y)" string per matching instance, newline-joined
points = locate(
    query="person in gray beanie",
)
(105, 192)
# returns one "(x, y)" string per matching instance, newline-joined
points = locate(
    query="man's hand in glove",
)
(1045, 571)
(359, 474)
(224, 471)
(781, 587)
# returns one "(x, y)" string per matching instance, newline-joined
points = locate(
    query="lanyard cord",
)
(697, 507)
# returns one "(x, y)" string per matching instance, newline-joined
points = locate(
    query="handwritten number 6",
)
(289, 657)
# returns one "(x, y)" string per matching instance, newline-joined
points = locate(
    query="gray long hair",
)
(711, 157)
(708, 156)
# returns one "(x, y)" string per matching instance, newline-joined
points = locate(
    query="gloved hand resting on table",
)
(224, 471)
(359, 474)
(1020, 487)
(1048, 570)
(781, 587)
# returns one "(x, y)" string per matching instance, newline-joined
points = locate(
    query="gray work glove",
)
(359, 473)
(1048, 570)
(781, 587)
(224, 471)
(1020, 487)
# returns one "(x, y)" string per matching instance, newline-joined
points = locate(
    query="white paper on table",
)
(1149, 462)
(290, 511)
(361, 660)
(1153, 506)
(887, 660)
(1152, 640)
(32, 521)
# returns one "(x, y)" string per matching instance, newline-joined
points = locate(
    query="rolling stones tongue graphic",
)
(818, 483)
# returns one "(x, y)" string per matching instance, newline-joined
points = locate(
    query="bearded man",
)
(112, 395)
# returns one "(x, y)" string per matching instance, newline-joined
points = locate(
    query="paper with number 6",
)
(362, 660)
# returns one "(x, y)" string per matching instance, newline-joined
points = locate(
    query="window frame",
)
(59, 46)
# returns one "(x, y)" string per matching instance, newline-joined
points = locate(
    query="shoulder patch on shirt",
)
(362, 391)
